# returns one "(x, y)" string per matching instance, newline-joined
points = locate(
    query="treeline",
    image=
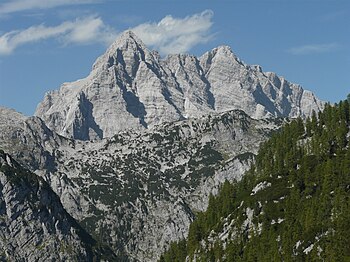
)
(302, 213)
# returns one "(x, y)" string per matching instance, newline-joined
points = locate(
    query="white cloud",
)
(175, 35)
(90, 30)
(313, 49)
(22, 5)
(80, 31)
(170, 35)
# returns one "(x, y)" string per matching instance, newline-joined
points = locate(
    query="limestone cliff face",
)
(138, 191)
(131, 87)
(34, 225)
(35, 147)
(166, 134)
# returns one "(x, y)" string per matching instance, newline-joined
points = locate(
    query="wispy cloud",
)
(81, 31)
(12, 6)
(176, 35)
(169, 35)
(313, 49)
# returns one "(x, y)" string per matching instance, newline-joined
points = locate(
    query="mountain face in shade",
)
(34, 226)
(131, 87)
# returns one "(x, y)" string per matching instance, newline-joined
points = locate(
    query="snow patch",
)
(308, 249)
(259, 187)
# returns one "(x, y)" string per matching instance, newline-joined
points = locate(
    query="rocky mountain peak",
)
(127, 36)
(12, 116)
(126, 53)
(127, 42)
(131, 87)
(222, 52)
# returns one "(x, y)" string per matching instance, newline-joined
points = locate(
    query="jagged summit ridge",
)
(130, 86)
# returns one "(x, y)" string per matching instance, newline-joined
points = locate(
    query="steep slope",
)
(131, 87)
(138, 191)
(34, 146)
(34, 225)
(157, 180)
(293, 205)
(29, 138)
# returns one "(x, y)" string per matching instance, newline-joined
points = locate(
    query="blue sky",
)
(46, 43)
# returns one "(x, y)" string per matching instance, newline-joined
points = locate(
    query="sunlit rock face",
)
(134, 150)
(131, 87)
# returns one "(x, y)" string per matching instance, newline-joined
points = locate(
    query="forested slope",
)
(293, 204)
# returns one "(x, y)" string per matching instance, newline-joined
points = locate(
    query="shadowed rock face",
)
(131, 87)
(33, 223)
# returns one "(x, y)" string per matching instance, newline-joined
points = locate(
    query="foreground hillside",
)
(33, 223)
(293, 205)
(138, 191)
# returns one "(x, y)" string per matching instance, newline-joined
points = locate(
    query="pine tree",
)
(308, 167)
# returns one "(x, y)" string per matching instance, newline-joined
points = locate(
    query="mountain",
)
(131, 154)
(34, 225)
(139, 191)
(131, 87)
(292, 205)
(28, 138)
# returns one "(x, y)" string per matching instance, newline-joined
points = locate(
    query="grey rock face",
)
(28, 137)
(138, 191)
(166, 134)
(34, 225)
(158, 179)
(35, 147)
(130, 87)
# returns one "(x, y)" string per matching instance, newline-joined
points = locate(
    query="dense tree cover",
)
(302, 213)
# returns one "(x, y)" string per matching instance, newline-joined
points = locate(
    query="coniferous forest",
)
(293, 204)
